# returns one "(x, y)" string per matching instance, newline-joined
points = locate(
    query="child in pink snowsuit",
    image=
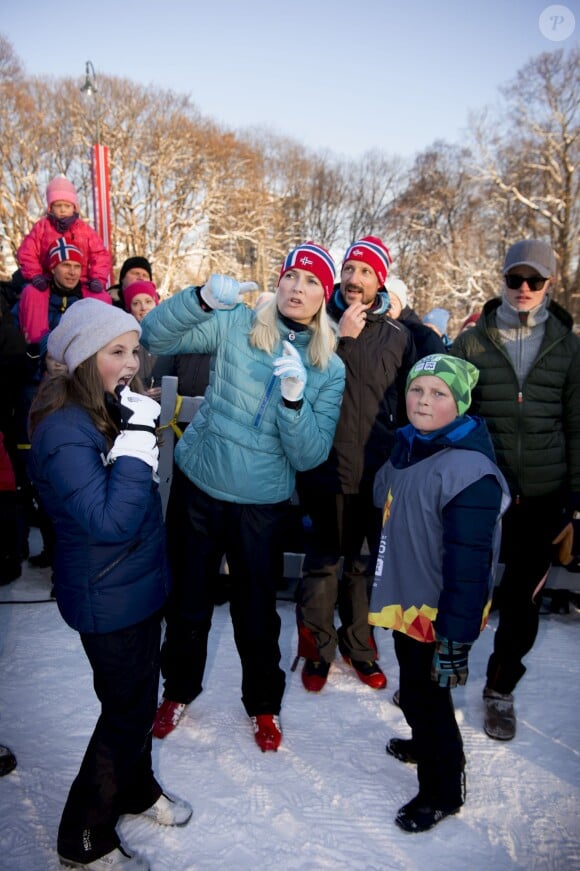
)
(62, 218)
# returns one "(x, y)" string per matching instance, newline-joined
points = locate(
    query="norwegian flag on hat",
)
(372, 251)
(312, 258)
(63, 250)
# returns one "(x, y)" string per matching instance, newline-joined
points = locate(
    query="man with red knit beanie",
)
(338, 495)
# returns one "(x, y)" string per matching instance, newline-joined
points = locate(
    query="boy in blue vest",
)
(442, 497)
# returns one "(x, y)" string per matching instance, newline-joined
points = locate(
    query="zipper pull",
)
(520, 397)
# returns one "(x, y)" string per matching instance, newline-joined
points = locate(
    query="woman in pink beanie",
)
(62, 218)
(139, 298)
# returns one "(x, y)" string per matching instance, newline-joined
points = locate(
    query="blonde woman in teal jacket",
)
(270, 409)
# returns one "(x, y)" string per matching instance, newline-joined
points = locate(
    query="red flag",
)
(102, 196)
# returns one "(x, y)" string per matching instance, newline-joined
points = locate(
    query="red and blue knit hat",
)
(64, 250)
(312, 258)
(373, 252)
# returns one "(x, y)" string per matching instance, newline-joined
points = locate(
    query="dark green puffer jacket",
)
(535, 432)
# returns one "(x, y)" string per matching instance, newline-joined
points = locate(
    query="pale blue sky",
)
(345, 76)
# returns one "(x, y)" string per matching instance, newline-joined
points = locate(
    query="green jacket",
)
(535, 431)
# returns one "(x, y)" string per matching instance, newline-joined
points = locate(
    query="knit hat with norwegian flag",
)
(312, 258)
(64, 250)
(372, 251)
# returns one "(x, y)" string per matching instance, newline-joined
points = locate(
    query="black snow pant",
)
(116, 775)
(200, 530)
(340, 525)
(429, 711)
(528, 528)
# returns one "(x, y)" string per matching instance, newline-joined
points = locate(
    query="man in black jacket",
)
(337, 496)
(529, 394)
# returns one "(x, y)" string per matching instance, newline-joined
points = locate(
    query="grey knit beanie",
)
(86, 327)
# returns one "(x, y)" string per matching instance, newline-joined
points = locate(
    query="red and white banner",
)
(102, 196)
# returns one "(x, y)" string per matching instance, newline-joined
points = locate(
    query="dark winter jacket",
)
(426, 340)
(535, 431)
(192, 371)
(15, 371)
(441, 496)
(110, 561)
(373, 405)
(152, 368)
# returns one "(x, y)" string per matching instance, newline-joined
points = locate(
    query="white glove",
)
(139, 444)
(290, 369)
(138, 439)
(223, 292)
(143, 411)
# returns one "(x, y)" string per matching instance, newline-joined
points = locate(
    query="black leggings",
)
(200, 530)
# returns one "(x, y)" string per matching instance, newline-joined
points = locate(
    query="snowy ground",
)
(327, 799)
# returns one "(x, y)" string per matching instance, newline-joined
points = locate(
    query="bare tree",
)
(530, 159)
(436, 222)
(10, 66)
(371, 187)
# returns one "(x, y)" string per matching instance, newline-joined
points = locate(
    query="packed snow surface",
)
(328, 797)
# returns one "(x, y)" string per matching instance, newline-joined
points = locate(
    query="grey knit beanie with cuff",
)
(86, 327)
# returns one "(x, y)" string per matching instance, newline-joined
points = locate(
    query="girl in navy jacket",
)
(94, 462)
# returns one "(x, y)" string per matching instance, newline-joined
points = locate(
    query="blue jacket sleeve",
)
(179, 325)
(469, 522)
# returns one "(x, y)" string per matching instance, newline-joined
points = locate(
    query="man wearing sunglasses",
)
(529, 394)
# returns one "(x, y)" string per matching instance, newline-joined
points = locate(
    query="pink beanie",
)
(60, 188)
(137, 287)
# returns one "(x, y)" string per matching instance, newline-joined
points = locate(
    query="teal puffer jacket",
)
(244, 445)
(535, 431)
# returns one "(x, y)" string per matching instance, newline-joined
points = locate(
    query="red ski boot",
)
(168, 716)
(267, 731)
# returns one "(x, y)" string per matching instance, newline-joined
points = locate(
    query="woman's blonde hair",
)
(265, 333)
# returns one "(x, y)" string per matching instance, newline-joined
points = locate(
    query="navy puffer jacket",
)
(110, 560)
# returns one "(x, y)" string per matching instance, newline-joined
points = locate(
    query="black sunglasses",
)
(534, 282)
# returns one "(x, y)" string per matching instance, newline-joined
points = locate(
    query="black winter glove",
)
(95, 286)
(40, 282)
(449, 666)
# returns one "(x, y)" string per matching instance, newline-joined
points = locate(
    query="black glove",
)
(95, 285)
(40, 282)
(449, 666)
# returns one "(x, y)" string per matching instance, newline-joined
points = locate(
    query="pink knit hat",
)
(60, 188)
(137, 287)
